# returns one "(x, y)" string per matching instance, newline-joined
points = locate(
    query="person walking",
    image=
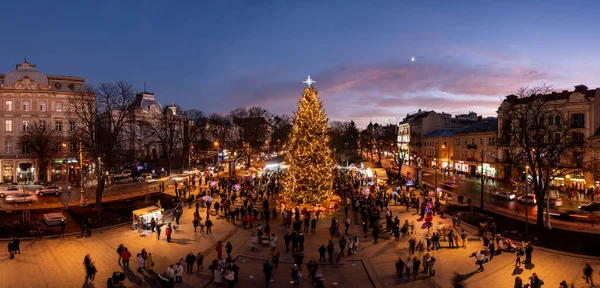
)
(518, 254)
(199, 260)
(208, 225)
(400, 267)
(38, 234)
(158, 232)
(11, 250)
(267, 270)
(330, 249)
(125, 255)
(518, 282)
(171, 275)
(479, 258)
(168, 232)
(276, 257)
(190, 259)
(587, 273)
(88, 227)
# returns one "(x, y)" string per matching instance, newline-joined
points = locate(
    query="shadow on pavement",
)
(181, 241)
(132, 277)
(529, 266)
(517, 271)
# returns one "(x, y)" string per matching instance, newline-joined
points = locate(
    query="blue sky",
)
(219, 55)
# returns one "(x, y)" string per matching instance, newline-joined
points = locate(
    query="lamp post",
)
(526, 202)
(482, 176)
(66, 164)
(216, 144)
(437, 163)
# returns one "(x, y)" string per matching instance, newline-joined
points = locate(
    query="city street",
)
(59, 262)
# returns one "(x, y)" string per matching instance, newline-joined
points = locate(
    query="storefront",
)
(143, 217)
(7, 172)
(25, 173)
(461, 167)
(488, 170)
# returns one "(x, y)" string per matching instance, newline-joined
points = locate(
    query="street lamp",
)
(216, 144)
(66, 164)
(437, 163)
(526, 202)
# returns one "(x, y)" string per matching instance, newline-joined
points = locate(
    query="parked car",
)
(591, 207)
(54, 189)
(143, 177)
(6, 191)
(124, 173)
(555, 201)
(505, 195)
(23, 197)
(529, 198)
(122, 180)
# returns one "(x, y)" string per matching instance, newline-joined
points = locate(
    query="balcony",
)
(471, 146)
(16, 156)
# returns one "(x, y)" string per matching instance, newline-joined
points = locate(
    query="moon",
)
(412, 59)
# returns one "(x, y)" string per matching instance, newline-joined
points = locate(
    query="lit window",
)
(8, 105)
(59, 107)
(25, 125)
(42, 124)
(8, 125)
(25, 105)
(71, 126)
(43, 106)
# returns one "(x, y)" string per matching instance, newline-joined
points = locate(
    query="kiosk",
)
(143, 217)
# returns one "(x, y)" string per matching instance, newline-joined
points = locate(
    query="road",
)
(472, 187)
(74, 196)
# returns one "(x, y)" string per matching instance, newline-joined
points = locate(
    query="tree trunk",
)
(99, 192)
(170, 160)
(540, 208)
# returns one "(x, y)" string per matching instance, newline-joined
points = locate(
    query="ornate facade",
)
(29, 96)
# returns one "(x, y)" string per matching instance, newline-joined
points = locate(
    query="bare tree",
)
(281, 125)
(254, 129)
(194, 128)
(542, 141)
(102, 116)
(167, 131)
(41, 141)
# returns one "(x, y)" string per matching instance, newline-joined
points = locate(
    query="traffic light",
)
(72, 174)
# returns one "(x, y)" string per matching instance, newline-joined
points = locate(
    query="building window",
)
(72, 147)
(466, 142)
(59, 107)
(578, 158)
(43, 106)
(25, 105)
(8, 125)
(58, 125)
(71, 126)
(480, 141)
(473, 141)
(550, 119)
(42, 124)
(7, 147)
(557, 120)
(24, 149)
(577, 120)
(8, 105)
(25, 125)
(578, 139)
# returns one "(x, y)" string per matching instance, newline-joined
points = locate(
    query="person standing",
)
(17, 243)
(479, 258)
(125, 255)
(152, 224)
(11, 249)
(167, 232)
(171, 275)
(228, 250)
(287, 238)
(313, 225)
(149, 263)
(276, 257)
(141, 262)
(209, 225)
(88, 227)
(528, 252)
(267, 270)
(38, 234)
(322, 250)
(347, 224)
(518, 254)
(63, 225)
(219, 249)
(330, 250)
(178, 273)
(190, 259)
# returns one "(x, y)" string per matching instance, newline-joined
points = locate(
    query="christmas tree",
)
(309, 177)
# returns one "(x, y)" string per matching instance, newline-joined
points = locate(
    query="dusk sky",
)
(219, 55)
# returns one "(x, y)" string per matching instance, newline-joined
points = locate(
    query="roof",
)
(26, 72)
(147, 210)
(490, 125)
(441, 133)
(415, 117)
(145, 100)
(554, 96)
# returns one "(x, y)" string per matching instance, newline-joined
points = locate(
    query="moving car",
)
(591, 207)
(5, 191)
(143, 177)
(121, 180)
(529, 199)
(54, 189)
(555, 201)
(505, 195)
(23, 197)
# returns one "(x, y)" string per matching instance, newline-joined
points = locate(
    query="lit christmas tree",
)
(309, 177)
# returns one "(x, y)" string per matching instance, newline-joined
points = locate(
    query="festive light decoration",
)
(309, 177)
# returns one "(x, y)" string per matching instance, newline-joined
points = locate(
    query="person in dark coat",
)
(11, 249)
(17, 243)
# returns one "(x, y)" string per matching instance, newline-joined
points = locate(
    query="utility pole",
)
(526, 203)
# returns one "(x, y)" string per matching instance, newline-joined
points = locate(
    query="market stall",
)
(143, 217)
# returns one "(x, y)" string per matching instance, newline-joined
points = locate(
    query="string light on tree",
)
(309, 177)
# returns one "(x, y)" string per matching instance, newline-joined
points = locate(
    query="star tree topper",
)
(309, 81)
